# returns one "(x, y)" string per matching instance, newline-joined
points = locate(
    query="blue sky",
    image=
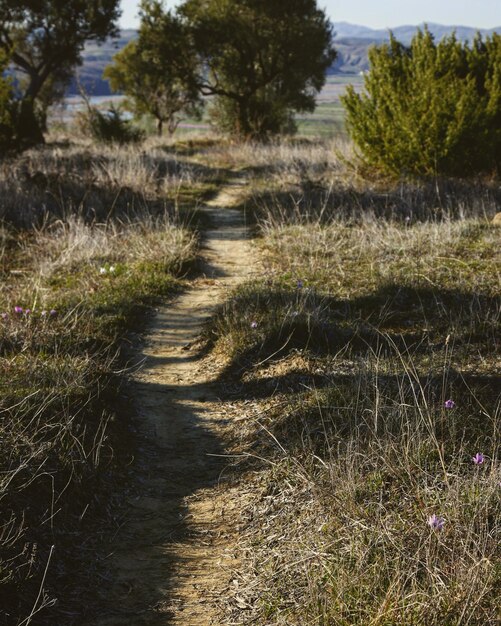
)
(388, 13)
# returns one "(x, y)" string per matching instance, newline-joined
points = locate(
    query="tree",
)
(6, 125)
(158, 70)
(432, 108)
(44, 40)
(264, 59)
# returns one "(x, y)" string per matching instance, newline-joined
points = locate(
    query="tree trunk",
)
(173, 124)
(28, 130)
(243, 127)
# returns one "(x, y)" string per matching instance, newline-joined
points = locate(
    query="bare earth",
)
(173, 557)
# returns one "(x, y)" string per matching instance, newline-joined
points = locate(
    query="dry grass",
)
(91, 239)
(70, 243)
(98, 182)
(378, 303)
(365, 324)
(293, 157)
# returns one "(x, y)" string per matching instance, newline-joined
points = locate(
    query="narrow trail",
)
(175, 551)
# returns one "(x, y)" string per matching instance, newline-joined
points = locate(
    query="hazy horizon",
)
(386, 13)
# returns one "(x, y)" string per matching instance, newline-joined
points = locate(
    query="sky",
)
(386, 13)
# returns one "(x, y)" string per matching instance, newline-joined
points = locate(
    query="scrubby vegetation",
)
(107, 127)
(371, 350)
(431, 108)
(362, 358)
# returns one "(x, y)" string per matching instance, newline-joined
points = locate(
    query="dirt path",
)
(174, 554)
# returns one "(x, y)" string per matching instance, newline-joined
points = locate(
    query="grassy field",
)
(90, 239)
(363, 362)
(328, 118)
(370, 352)
(326, 121)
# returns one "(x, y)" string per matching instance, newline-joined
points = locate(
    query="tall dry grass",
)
(91, 238)
(379, 302)
(96, 182)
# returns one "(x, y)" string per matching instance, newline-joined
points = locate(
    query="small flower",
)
(53, 312)
(253, 325)
(449, 404)
(27, 312)
(103, 270)
(295, 313)
(112, 269)
(300, 284)
(478, 459)
(43, 313)
(18, 309)
(4, 316)
(436, 522)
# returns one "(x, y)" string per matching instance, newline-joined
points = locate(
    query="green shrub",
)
(109, 127)
(432, 108)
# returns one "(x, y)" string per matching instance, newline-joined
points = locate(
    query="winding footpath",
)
(174, 554)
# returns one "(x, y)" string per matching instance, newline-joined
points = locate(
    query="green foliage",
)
(109, 127)
(6, 122)
(265, 60)
(44, 40)
(158, 70)
(433, 108)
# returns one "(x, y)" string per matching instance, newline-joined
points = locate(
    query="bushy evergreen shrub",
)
(433, 108)
(108, 127)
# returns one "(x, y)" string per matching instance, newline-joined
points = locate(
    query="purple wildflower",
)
(253, 324)
(478, 459)
(449, 404)
(53, 312)
(300, 284)
(27, 312)
(436, 522)
(18, 309)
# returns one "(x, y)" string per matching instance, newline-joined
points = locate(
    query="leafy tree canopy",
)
(44, 40)
(263, 59)
(158, 70)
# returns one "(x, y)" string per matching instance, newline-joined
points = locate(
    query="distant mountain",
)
(351, 41)
(343, 30)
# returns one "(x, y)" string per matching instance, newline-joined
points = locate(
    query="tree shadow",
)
(394, 322)
(36, 191)
(180, 453)
(312, 201)
(183, 452)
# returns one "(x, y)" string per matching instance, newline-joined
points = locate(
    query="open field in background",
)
(90, 238)
(326, 121)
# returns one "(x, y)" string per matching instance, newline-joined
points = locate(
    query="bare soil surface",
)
(173, 558)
